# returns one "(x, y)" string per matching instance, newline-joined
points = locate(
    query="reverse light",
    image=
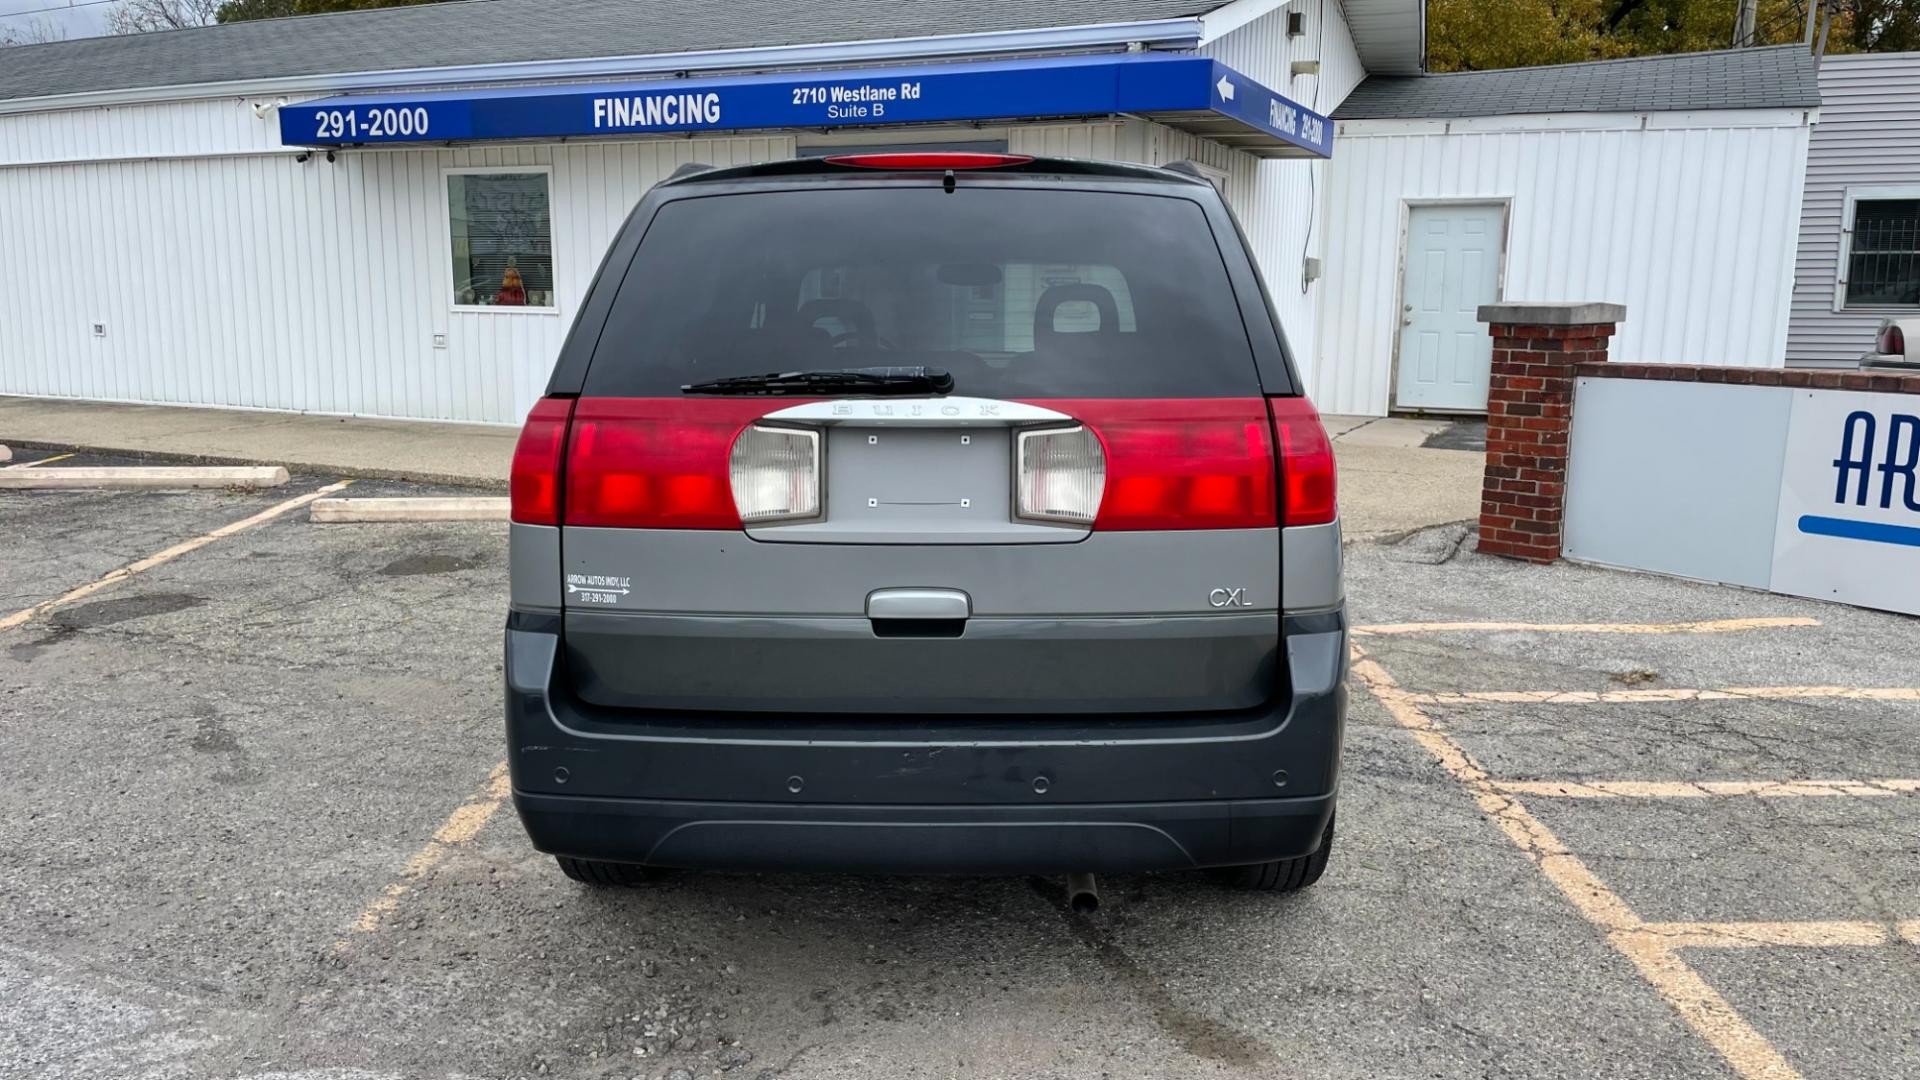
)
(929, 160)
(1061, 475)
(1309, 488)
(775, 474)
(533, 487)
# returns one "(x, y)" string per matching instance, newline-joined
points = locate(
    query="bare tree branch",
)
(37, 31)
(142, 16)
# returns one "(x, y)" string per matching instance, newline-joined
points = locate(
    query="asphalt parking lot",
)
(1593, 824)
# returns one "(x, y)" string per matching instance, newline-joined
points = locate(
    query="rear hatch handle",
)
(919, 612)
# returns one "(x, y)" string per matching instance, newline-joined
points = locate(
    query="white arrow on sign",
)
(609, 592)
(1225, 86)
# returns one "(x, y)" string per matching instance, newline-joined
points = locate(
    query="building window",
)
(501, 227)
(1883, 252)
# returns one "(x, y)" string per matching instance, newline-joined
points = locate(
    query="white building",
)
(180, 239)
(319, 214)
(1670, 184)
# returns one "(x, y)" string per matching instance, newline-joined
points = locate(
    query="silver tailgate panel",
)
(710, 572)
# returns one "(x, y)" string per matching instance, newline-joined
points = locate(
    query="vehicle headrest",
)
(855, 315)
(1049, 306)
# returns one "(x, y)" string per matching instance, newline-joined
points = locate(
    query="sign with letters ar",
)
(1849, 520)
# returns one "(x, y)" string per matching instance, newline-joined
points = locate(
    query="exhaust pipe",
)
(1083, 896)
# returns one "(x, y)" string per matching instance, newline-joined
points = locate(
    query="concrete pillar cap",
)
(1553, 313)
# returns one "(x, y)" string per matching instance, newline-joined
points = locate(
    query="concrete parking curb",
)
(455, 508)
(147, 477)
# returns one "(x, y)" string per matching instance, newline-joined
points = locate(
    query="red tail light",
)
(534, 485)
(1306, 463)
(1194, 463)
(1893, 341)
(929, 160)
(656, 463)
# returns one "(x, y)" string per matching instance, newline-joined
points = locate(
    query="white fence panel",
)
(1677, 477)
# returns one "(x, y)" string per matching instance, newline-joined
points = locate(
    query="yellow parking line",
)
(170, 554)
(1706, 789)
(1818, 934)
(461, 827)
(1609, 697)
(42, 461)
(1708, 626)
(1702, 1007)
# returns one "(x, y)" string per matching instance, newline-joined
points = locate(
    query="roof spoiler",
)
(691, 168)
(1188, 168)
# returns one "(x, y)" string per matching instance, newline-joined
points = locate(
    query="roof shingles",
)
(513, 31)
(1777, 77)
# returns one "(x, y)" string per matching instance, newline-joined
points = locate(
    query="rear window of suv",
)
(1017, 292)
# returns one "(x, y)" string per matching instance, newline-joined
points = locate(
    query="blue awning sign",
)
(1190, 92)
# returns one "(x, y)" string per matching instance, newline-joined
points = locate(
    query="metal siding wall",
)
(1108, 141)
(160, 130)
(1868, 134)
(1282, 203)
(1693, 228)
(253, 281)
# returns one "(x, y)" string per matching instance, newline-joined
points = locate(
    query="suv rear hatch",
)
(1087, 522)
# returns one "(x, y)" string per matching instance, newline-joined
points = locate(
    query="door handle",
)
(918, 604)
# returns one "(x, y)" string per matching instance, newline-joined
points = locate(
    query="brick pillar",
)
(1529, 411)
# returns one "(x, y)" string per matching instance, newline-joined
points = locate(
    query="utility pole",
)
(1743, 23)
(1813, 16)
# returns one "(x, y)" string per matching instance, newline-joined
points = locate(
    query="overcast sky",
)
(70, 15)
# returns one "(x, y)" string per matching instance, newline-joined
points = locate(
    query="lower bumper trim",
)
(1108, 838)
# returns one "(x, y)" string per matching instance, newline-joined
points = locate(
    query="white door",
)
(1453, 266)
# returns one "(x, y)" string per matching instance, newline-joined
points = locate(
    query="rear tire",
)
(1283, 875)
(604, 874)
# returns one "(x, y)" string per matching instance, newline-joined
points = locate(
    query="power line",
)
(1792, 13)
(56, 7)
(1789, 15)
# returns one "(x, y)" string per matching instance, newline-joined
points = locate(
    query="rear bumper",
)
(926, 794)
(1107, 838)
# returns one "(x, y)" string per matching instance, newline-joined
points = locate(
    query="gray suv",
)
(927, 513)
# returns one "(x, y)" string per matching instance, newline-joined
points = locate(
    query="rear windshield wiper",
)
(875, 380)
